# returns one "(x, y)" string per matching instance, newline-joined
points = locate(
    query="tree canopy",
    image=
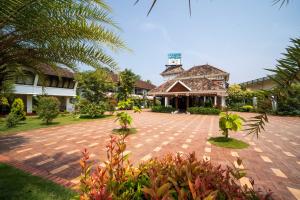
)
(94, 85)
(57, 32)
(127, 81)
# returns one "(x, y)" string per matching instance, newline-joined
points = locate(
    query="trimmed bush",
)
(48, 108)
(17, 109)
(12, 120)
(203, 110)
(246, 108)
(162, 109)
(92, 110)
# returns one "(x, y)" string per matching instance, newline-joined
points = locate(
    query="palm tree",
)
(56, 32)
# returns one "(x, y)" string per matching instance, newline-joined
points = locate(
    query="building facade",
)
(264, 83)
(58, 82)
(192, 87)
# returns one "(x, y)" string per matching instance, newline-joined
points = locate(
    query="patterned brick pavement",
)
(273, 160)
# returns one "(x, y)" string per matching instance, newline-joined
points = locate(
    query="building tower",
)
(173, 68)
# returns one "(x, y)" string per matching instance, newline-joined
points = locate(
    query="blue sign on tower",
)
(174, 55)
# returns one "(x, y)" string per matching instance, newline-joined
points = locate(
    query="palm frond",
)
(256, 124)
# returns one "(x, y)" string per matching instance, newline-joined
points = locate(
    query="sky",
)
(241, 37)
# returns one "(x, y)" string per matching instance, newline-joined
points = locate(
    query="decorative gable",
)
(178, 86)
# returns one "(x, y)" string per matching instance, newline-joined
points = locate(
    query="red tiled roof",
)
(172, 69)
(201, 70)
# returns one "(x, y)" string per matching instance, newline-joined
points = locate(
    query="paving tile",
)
(24, 150)
(207, 149)
(258, 150)
(157, 149)
(245, 181)
(51, 143)
(185, 146)
(44, 161)
(138, 145)
(146, 157)
(266, 159)
(32, 156)
(61, 147)
(59, 169)
(278, 172)
(73, 151)
(289, 154)
(206, 158)
(93, 144)
(295, 192)
(234, 154)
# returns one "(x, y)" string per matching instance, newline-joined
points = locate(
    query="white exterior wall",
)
(69, 106)
(29, 104)
(39, 90)
(223, 102)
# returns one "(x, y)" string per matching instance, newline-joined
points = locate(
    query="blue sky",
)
(240, 36)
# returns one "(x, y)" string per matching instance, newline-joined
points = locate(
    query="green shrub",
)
(124, 119)
(203, 110)
(17, 109)
(92, 110)
(163, 109)
(208, 104)
(230, 122)
(246, 108)
(12, 120)
(168, 177)
(48, 108)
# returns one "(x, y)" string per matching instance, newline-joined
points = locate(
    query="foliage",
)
(48, 108)
(246, 108)
(290, 104)
(91, 110)
(16, 184)
(124, 120)
(4, 101)
(125, 104)
(228, 142)
(256, 124)
(94, 85)
(162, 109)
(230, 122)
(57, 32)
(127, 81)
(17, 108)
(12, 120)
(208, 104)
(237, 96)
(136, 109)
(203, 110)
(171, 177)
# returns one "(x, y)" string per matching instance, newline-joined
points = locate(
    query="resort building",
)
(264, 83)
(58, 82)
(192, 87)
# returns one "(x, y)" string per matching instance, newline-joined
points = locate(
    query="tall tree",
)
(94, 85)
(57, 33)
(127, 81)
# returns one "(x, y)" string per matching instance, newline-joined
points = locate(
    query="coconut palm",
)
(56, 32)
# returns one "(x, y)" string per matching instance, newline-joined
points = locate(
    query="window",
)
(54, 81)
(26, 79)
(66, 83)
(72, 83)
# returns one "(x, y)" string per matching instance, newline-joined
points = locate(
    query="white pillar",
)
(166, 101)
(204, 99)
(69, 106)
(215, 101)
(223, 102)
(29, 104)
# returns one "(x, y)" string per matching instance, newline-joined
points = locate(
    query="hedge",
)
(203, 110)
(162, 109)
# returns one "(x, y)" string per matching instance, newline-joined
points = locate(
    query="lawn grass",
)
(228, 142)
(121, 131)
(33, 122)
(16, 184)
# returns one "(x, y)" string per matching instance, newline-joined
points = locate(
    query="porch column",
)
(29, 104)
(223, 102)
(204, 99)
(187, 102)
(69, 106)
(215, 100)
(154, 100)
(176, 103)
(166, 101)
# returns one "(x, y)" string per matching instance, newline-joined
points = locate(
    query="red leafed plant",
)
(171, 177)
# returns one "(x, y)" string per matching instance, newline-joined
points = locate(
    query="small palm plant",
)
(230, 122)
(124, 119)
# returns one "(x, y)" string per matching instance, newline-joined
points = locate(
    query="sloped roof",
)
(201, 70)
(55, 71)
(195, 84)
(139, 83)
(172, 69)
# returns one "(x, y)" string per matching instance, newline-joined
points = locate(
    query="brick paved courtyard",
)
(273, 160)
